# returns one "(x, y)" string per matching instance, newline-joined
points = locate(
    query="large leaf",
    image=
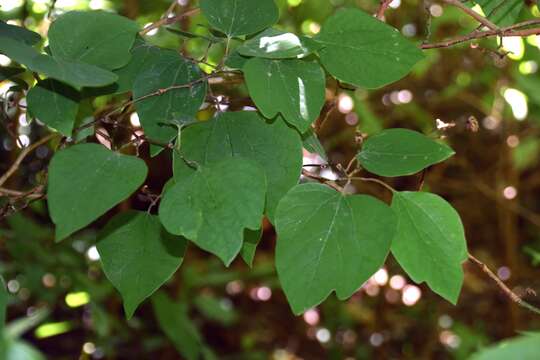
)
(526, 347)
(363, 51)
(76, 74)
(95, 37)
(138, 256)
(328, 241)
(87, 180)
(400, 152)
(501, 12)
(272, 144)
(175, 323)
(55, 104)
(276, 44)
(214, 206)
(293, 88)
(430, 242)
(19, 33)
(184, 92)
(240, 17)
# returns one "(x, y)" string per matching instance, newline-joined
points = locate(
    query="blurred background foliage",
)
(483, 97)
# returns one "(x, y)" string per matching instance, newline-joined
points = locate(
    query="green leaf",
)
(328, 241)
(293, 88)
(55, 104)
(312, 144)
(276, 44)
(138, 256)
(272, 144)
(215, 309)
(501, 12)
(235, 60)
(85, 181)
(213, 206)
(363, 51)
(95, 37)
(240, 17)
(18, 33)
(251, 240)
(400, 152)
(22, 350)
(74, 73)
(525, 347)
(186, 91)
(175, 323)
(3, 305)
(430, 242)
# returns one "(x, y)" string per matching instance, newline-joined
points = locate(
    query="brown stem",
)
(382, 9)
(482, 20)
(168, 20)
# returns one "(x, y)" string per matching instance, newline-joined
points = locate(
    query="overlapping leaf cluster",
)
(237, 167)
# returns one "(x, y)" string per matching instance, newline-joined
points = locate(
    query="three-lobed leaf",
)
(85, 181)
(276, 44)
(293, 88)
(138, 256)
(400, 152)
(363, 51)
(240, 17)
(214, 206)
(430, 242)
(99, 38)
(328, 241)
(245, 134)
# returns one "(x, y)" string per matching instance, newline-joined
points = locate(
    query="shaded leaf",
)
(430, 242)
(7, 73)
(138, 256)
(312, 144)
(228, 195)
(240, 17)
(215, 309)
(525, 347)
(276, 44)
(400, 152)
(272, 144)
(501, 12)
(18, 33)
(3, 305)
(328, 241)
(293, 88)
(363, 51)
(251, 240)
(85, 181)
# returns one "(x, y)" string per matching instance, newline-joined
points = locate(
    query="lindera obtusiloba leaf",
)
(93, 37)
(76, 74)
(292, 88)
(240, 17)
(19, 33)
(173, 319)
(138, 256)
(400, 152)
(54, 103)
(276, 44)
(214, 206)
(160, 114)
(328, 241)
(430, 242)
(85, 181)
(359, 49)
(245, 134)
(525, 347)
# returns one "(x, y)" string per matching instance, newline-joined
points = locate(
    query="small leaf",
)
(55, 104)
(526, 347)
(240, 17)
(245, 134)
(175, 323)
(328, 241)
(400, 152)
(276, 44)
(213, 206)
(74, 73)
(138, 256)
(312, 144)
(184, 95)
(94, 37)
(251, 240)
(294, 88)
(85, 181)
(430, 242)
(363, 51)
(18, 33)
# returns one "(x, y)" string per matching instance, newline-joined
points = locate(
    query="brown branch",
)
(168, 20)
(505, 289)
(322, 180)
(23, 155)
(32, 194)
(482, 20)
(373, 180)
(382, 9)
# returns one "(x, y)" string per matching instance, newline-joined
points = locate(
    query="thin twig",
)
(23, 155)
(373, 180)
(323, 180)
(505, 289)
(382, 9)
(32, 194)
(168, 20)
(482, 20)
